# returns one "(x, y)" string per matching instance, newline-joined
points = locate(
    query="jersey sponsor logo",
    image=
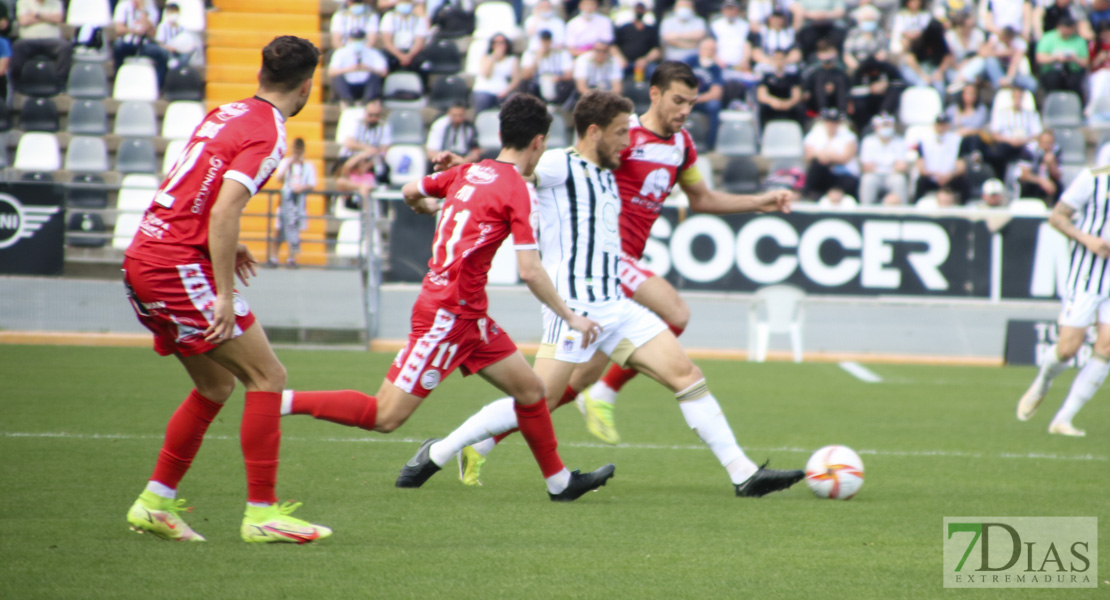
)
(656, 185)
(430, 379)
(481, 175)
(214, 165)
(21, 222)
(663, 154)
(232, 111)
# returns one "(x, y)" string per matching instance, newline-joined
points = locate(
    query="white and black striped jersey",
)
(580, 243)
(1089, 195)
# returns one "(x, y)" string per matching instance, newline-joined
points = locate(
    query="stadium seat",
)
(86, 154)
(1003, 101)
(782, 139)
(407, 126)
(1100, 112)
(5, 117)
(89, 12)
(697, 124)
(1068, 173)
(38, 152)
(403, 90)
(88, 117)
(181, 118)
(85, 230)
(775, 309)
(736, 137)
(136, 81)
(136, 156)
(348, 123)
(407, 162)
(557, 135)
(453, 21)
(140, 181)
(1028, 206)
(192, 15)
(639, 93)
(173, 150)
(86, 192)
(488, 124)
(1063, 109)
(133, 200)
(495, 17)
(474, 53)
(741, 176)
(39, 78)
(39, 114)
(442, 57)
(446, 91)
(349, 240)
(1073, 146)
(136, 119)
(4, 151)
(184, 83)
(87, 80)
(920, 105)
(37, 177)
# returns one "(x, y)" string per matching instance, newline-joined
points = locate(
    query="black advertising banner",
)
(32, 229)
(1028, 341)
(823, 253)
(410, 245)
(1034, 259)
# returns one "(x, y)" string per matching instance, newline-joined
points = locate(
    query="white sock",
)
(494, 418)
(601, 391)
(259, 504)
(703, 415)
(559, 481)
(485, 446)
(1086, 383)
(286, 402)
(1052, 367)
(161, 489)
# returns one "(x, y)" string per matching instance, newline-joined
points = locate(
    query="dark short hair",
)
(523, 117)
(599, 107)
(287, 62)
(298, 145)
(670, 71)
(458, 104)
(824, 45)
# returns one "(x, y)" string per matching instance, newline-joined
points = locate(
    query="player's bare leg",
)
(1087, 382)
(1056, 361)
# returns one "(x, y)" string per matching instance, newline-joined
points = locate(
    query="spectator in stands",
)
(40, 34)
(780, 92)
(969, 118)
(876, 88)
(777, 35)
(135, 27)
(928, 59)
(297, 177)
(819, 20)
(1098, 13)
(181, 44)
(734, 44)
(830, 153)
(5, 47)
(836, 199)
(1005, 60)
(1098, 78)
(711, 87)
(404, 35)
(965, 40)
(883, 162)
(947, 197)
(1016, 14)
(453, 133)
(358, 175)
(826, 84)
(907, 25)
(938, 164)
(1063, 57)
(993, 195)
(544, 18)
(357, 71)
(371, 138)
(354, 16)
(682, 31)
(598, 69)
(866, 40)
(1012, 127)
(1047, 15)
(759, 12)
(588, 28)
(548, 71)
(498, 74)
(637, 46)
(1039, 169)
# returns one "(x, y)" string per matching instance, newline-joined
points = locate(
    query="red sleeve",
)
(437, 184)
(521, 207)
(253, 164)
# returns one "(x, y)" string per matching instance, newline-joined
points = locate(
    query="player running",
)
(484, 203)
(581, 246)
(1087, 300)
(180, 273)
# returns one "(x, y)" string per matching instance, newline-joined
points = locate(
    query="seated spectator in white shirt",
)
(883, 161)
(734, 46)
(498, 75)
(598, 69)
(453, 133)
(135, 20)
(179, 42)
(544, 18)
(354, 16)
(587, 29)
(682, 32)
(830, 151)
(357, 71)
(836, 199)
(993, 196)
(548, 71)
(1011, 130)
(939, 165)
(404, 35)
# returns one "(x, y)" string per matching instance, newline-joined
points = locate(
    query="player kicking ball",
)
(580, 243)
(1087, 301)
(482, 204)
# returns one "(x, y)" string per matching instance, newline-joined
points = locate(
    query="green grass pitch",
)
(80, 429)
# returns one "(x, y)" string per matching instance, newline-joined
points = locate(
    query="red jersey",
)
(242, 141)
(650, 167)
(485, 202)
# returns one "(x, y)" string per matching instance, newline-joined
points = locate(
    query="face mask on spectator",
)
(885, 132)
(404, 9)
(358, 9)
(869, 26)
(545, 14)
(171, 18)
(684, 12)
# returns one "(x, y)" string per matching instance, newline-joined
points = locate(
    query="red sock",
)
(260, 438)
(534, 422)
(184, 433)
(346, 407)
(616, 377)
(568, 396)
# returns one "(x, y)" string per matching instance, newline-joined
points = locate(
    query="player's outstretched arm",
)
(1061, 219)
(223, 247)
(535, 277)
(703, 199)
(417, 201)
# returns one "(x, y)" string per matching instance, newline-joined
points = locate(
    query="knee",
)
(389, 422)
(679, 314)
(216, 391)
(270, 379)
(532, 393)
(688, 375)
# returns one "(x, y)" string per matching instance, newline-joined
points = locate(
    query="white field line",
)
(699, 447)
(860, 372)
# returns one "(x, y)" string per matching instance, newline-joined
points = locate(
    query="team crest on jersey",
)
(265, 169)
(479, 175)
(232, 110)
(240, 305)
(568, 343)
(609, 216)
(430, 379)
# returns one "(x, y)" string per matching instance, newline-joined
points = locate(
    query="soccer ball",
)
(835, 472)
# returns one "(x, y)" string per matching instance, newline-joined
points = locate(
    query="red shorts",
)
(633, 273)
(439, 342)
(175, 303)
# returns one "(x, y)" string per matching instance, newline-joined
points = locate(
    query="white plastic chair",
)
(920, 105)
(87, 154)
(472, 65)
(136, 118)
(1004, 100)
(181, 118)
(89, 12)
(399, 172)
(488, 124)
(132, 203)
(192, 14)
(348, 123)
(403, 81)
(136, 81)
(38, 152)
(784, 308)
(1028, 206)
(173, 150)
(349, 240)
(782, 139)
(495, 17)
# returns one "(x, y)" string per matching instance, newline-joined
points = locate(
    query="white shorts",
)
(632, 273)
(625, 327)
(1083, 309)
